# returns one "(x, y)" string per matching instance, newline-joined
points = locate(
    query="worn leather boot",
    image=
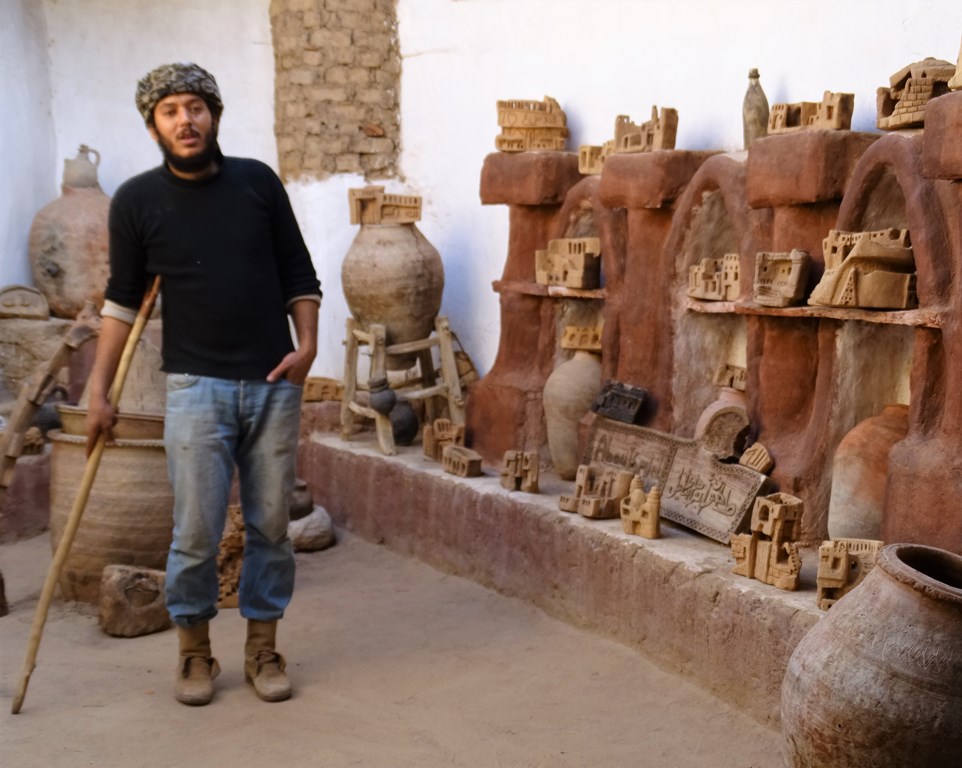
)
(263, 666)
(196, 669)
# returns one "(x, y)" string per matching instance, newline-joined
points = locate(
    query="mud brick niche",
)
(812, 372)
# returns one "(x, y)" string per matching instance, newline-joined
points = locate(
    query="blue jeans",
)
(212, 425)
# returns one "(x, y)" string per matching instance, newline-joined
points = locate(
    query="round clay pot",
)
(394, 277)
(877, 683)
(128, 518)
(728, 397)
(860, 474)
(568, 394)
(68, 240)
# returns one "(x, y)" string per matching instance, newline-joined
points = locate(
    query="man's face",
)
(186, 132)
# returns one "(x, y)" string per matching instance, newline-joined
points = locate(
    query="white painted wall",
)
(76, 62)
(26, 133)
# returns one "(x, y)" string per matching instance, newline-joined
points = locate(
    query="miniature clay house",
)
(902, 104)
(832, 113)
(527, 125)
(812, 372)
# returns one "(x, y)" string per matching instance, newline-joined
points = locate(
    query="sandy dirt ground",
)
(394, 664)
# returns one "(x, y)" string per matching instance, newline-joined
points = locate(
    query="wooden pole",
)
(80, 502)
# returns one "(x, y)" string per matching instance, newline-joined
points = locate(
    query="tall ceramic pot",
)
(128, 519)
(877, 683)
(68, 239)
(860, 474)
(392, 276)
(568, 394)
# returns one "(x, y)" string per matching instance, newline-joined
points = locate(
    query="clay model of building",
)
(599, 491)
(461, 461)
(657, 133)
(873, 270)
(769, 553)
(322, 388)
(758, 458)
(842, 565)
(439, 435)
(902, 104)
(714, 279)
(519, 472)
(591, 157)
(572, 262)
(780, 278)
(833, 113)
(530, 125)
(733, 376)
(640, 511)
(956, 82)
(620, 402)
(587, 337)
(371, 205)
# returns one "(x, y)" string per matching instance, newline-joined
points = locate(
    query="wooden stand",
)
(425, 380)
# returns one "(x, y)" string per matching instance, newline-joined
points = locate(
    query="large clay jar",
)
(394, 277)
(568, 394)
(860, 472)
(128, 517)
(877, 683)
(68, 240)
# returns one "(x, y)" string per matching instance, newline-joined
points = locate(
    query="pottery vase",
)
(568, 394)
(754, 111)
(392, 276)
(68, 240)
(128, 518)
(860, 472)
(877, 683)
(728, 397)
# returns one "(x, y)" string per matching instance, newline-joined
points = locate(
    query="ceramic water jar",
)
(392, 276)
(568, 394)
(68, 239)
(877, 683)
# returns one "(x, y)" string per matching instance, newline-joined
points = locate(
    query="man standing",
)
(220, 233)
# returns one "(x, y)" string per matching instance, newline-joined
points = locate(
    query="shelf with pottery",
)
(925, 317)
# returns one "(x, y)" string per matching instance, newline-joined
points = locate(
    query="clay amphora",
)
(568, 394)
(128, 518)
(754, 110)
(394, 277)
(860, 472)
(877, 683)
(68, 240)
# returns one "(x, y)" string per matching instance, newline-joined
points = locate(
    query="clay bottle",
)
(754, 110)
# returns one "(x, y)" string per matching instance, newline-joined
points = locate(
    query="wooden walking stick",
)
(76, 512)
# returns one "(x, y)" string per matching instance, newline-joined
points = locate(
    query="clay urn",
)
(392, 276)
(568, 394)
(860, 474)
(877, 683)
(68, 239)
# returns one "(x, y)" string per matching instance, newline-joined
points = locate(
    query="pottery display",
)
(394, 277)
(755, 111)
(859, 473)
(877, 683)
(568, 394)
(68, 240)
(128, 518)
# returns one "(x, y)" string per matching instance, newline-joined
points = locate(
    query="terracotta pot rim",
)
(935, 572)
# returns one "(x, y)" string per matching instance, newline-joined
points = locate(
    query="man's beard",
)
(199, 162)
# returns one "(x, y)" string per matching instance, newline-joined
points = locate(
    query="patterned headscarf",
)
(177, 78)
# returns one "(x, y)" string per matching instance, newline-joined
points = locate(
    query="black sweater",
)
(231, 258)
